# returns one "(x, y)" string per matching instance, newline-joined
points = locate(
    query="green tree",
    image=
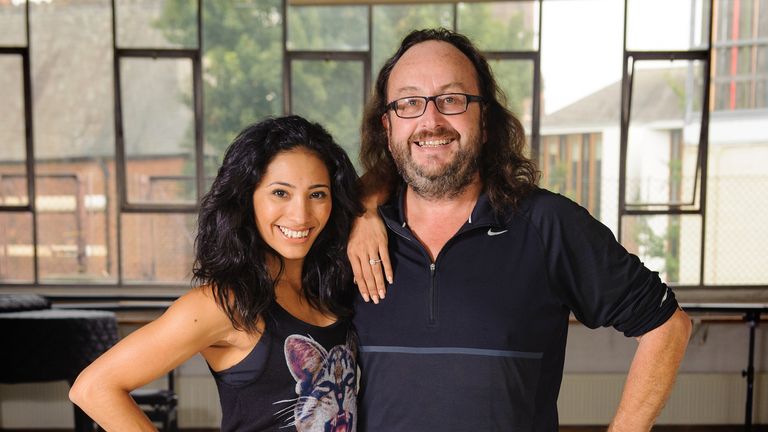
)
(242, 63)
(243, 59)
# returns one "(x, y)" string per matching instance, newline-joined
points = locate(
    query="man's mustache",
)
(438, 132)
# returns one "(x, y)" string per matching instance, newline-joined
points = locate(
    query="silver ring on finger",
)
(373, 261)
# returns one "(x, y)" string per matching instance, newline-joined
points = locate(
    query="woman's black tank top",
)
(298, 377)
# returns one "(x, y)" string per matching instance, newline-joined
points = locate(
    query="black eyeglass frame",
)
(470, 98)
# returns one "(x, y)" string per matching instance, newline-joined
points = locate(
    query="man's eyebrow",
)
(413, 91)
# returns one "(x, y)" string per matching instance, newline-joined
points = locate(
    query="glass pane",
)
(391, 23)
(159, 130)
(515, 77)
(156, 23)
(157, 247)
(572, 165)
(73, 233)
(327, 28)
(581, 87)
(330, 93)
(74, 140)
(242, 71)
(500, 26)
(737, 200)
(681, 26)
(670, 245)
(12, 23)
(665, 123)
(13, 171)
(13, 184)
(16, 253)
(72, 80)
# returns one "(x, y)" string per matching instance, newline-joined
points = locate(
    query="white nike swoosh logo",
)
(666, 293)
(491, 232)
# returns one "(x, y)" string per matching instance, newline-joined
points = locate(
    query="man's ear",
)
(484, 123)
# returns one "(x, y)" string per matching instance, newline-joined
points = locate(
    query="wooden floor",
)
(718, 428)
(695, 428)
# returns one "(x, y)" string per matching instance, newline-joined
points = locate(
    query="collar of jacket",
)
(483, 214)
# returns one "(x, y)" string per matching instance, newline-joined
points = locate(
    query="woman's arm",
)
(191, 324)
(368, 241)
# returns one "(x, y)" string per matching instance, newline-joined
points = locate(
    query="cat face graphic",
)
(326, 385)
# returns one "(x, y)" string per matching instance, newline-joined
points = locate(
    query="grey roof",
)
(658, 95)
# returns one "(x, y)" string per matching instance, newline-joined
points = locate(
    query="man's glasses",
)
(448, 104)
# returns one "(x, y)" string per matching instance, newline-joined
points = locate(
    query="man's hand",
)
(652, 374)
(368, 254)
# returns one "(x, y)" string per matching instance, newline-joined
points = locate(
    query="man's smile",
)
(433, 142)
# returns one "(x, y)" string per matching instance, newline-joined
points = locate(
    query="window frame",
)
(630, 57)
(29, 156)
(195, 56)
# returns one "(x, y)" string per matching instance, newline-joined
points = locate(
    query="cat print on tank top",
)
(326, 386)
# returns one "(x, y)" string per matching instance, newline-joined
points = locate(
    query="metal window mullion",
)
(29, 138)
(668, 55)
(511, 55)
(455, 16)
(286, 61)
(328, 55)
(159, 208)
(18, 50)
(368, 65)
(704, 143)
(626, 101)
(156, 53)
(668, 211)
(119, 149)
(536, 108)
(197, 95)
(721, 287)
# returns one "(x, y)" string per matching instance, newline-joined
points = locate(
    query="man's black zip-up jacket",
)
(475, 341)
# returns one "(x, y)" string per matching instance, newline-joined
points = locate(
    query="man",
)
(471, 332)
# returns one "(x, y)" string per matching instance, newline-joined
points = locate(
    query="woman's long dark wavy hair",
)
(230, 253)
(507, 174)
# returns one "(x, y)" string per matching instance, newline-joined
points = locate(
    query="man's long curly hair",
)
(230, 253)
(507, 174)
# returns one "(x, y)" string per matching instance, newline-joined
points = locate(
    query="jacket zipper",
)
(432, 295)
(432, 307)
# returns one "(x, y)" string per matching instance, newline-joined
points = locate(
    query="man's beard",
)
(446, 182)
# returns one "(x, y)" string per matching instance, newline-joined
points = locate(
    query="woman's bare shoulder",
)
(198, 308)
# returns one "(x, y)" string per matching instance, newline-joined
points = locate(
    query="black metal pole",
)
(752, 319)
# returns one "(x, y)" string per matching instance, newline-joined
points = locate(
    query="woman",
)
(271, 314)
